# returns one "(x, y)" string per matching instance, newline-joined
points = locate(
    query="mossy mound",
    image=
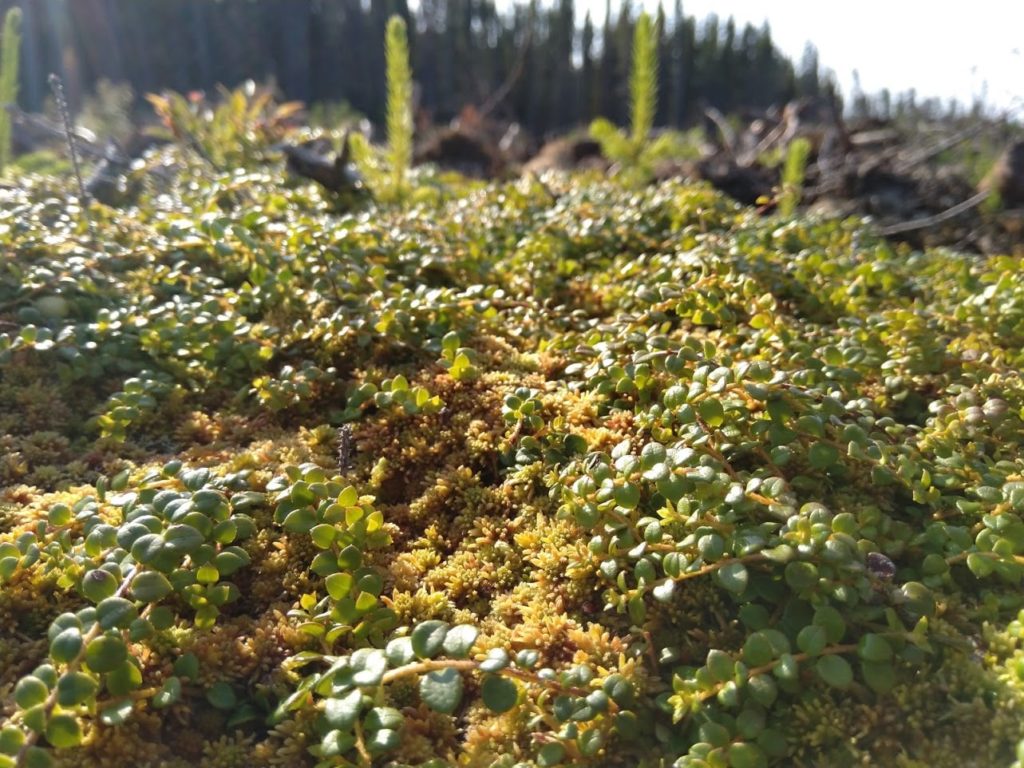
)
(568, 473)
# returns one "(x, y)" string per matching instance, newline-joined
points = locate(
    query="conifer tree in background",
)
(462, 50)
(9, 45)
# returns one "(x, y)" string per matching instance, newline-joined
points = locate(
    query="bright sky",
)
(941, 48)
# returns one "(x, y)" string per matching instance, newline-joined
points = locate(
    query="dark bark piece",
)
(567, 155)
(456, 149)
(1007, 176)
(109, 181)
(743, 183)
(335, 175)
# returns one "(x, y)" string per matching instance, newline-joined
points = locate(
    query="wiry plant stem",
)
(57, 86)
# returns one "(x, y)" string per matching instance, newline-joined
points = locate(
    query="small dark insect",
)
(346, 447)
(881, 567)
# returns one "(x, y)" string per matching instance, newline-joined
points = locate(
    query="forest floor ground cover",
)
(523, 473)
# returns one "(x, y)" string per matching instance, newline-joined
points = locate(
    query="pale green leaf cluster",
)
(793, 176)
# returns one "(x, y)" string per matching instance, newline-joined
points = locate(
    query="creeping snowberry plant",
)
(576, 473)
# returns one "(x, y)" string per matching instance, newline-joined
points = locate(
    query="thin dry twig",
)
(938, 218)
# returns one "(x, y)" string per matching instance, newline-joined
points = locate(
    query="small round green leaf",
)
(441, 690)
(733, 577)
(758, 650)
(715, 734)
(116, 612)
(105, 653)
(339, 585)
(75, 687)
(787, 668)
(335, 743)
(183, 539)
(47, 673)
(590, 742)
(117, 714)
(663, 592)
(350, 558)
(301, 520)
(721, 665)
(98, 584)
(763, 690)
(341, 712)
(458, 642)
(140, 629)
(231, 559)
(150, 587)
(801, 575)
(383, 740)
(37, 757)
(123, 680)
(822, 455)
(66, 646)
(428, 638)
(812, 639)
(750, 722)
(63, 731)
(831, 621)
(834, 670)
(880, 676)
(917, 598)
(874, 648)
(627, 496)
(384, 717)
(187, 665)
(746, 755)
(30, 691)
(712, 412)
(980, 565)
(322, 535)
(34, 718)
(374, 665)
(161, 618)
(399, 651)
(619, 690)
(499, 693)
(11, 739)
(497, 659)
(221, 695)
(59, 515)
(550, 755)
(168, 694)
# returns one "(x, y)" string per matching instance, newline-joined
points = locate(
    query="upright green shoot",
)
(633, 152)
(10, 42)
(793, 176)
(643, 81)
(399, 107)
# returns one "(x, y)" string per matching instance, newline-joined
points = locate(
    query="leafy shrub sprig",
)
(164, 556)
(698, 486)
